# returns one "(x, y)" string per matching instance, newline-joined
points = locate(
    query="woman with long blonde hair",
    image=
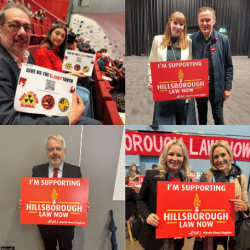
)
(173, 45)
(174, 167)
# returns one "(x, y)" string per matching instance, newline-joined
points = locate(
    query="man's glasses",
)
(15, 26)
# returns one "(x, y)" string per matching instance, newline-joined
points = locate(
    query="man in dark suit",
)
(56, 168)
(15, 30)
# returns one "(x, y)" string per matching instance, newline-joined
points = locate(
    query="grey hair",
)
(3, 15)
(55, 137)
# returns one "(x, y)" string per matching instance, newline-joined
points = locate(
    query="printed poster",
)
(54, 201)
(179, 79)
(78, 61)
(44, 91)
(187, 209)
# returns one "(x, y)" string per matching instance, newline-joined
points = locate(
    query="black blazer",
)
(146, 204)
(9, 75)
(69, 171)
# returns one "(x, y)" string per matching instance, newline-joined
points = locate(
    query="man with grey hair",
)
(15, 30)
(56, 168)
(80, 45)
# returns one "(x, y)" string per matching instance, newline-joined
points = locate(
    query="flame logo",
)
(180, 75)
(54, 194)
(197, 201)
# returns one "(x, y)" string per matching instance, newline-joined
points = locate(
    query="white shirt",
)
(59, 173)
(18, 61)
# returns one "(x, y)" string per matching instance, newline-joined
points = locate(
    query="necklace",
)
(173, 175)
(173, 53)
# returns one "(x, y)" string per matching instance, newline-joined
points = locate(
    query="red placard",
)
(141, 177)
(195, 209)
(54, 201)
(179, 79)
(153, 143)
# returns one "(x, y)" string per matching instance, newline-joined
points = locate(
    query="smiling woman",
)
(223, 170)
(174, 167)
(50, 55)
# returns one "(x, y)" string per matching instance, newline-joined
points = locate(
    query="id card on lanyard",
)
(230, 179)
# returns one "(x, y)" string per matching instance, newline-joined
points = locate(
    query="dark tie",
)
(55, 172)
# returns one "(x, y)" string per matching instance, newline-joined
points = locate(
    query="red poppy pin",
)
(213, 48)
(216, 38)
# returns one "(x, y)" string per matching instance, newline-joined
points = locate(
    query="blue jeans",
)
(84, 94)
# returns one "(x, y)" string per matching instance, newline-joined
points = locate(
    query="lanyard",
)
(170, 180)
(230, 179)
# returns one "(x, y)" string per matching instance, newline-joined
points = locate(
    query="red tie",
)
(55, 172)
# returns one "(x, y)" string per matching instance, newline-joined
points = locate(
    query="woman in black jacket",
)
(174, 166)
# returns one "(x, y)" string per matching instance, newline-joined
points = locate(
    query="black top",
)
(174, 53)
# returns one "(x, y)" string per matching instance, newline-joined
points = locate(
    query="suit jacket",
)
(9, 75)
(69, 171)
(146, 204)
(159, 53)
(221, 59)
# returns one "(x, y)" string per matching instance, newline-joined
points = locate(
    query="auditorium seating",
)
(105, 108)
(32, 49)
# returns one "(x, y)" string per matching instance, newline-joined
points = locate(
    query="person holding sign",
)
(15, 30)
(133, 173)
(172, 46)
(174, 167)
(56, 168)
(214, 46)
(50, 55)
(223, 170)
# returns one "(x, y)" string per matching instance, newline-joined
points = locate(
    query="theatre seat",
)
(110, 114)
(32, 49)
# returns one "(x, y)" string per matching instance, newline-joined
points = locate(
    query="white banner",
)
(78, 61)
(44, 91)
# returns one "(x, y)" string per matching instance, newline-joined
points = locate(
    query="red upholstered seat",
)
(36, 36)
(45, 30)
(110, 114)
(32, 49)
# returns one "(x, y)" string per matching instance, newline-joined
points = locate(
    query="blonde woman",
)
(133, 173)
(174, 166)
(223, 170)
(172, 46)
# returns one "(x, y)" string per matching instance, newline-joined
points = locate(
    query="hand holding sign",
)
(153, 220)
(76, 109)
(239, 205)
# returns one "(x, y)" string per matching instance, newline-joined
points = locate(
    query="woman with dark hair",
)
(40, 14)
(99, 53)
(50, 55)
(118, 94)
(173, 45)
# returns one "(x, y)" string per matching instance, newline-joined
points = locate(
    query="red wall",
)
(57, 7)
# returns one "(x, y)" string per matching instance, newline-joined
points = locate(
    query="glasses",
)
(15, 26)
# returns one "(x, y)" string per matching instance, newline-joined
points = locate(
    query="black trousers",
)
(51, 234)
(217, 109)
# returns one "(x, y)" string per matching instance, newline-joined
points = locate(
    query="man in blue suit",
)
(210, 44)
